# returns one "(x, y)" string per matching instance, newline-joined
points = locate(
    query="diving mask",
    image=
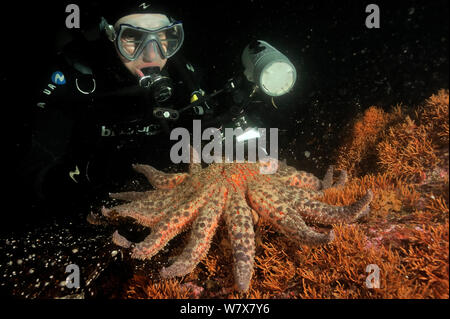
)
(131, 40)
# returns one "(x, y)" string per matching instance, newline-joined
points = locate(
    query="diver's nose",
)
(150, 52)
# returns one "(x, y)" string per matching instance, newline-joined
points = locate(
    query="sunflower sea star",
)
(238, 192)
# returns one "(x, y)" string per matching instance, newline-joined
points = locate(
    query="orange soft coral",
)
(407, 151)
(358, 155)
(434, 114)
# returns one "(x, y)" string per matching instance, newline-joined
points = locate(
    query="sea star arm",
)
(327, 181)
(342, 179)
(203, 231)
(195, 165)
(171, 225)
(135, 210)
(290, 176)
(130, 196)
(121, 241)
(277, 211)
(239, 220)
(159, 179)
(320, 213)
(153, 208)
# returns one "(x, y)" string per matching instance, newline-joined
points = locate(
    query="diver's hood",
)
(112, 13)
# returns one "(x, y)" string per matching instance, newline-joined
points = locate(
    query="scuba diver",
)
(116, 92)
(112, 95)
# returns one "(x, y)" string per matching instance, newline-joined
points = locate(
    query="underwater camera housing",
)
(264, 66)
(265, 69)
(269, 71)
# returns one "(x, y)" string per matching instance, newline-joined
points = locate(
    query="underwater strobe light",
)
(268, 68)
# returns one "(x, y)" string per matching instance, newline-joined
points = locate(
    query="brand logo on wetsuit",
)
(58, 78)
(151, 129)
(144, 6)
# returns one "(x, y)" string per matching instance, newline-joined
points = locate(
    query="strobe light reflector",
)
(268, 68)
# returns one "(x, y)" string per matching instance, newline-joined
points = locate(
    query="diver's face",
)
(150, 55)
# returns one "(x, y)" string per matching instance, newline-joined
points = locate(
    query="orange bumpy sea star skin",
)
(232, 191)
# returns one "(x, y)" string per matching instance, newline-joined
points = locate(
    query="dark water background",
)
(342, 67)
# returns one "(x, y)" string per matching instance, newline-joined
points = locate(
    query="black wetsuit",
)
(88, 127)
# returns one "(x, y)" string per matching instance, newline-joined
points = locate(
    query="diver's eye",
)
(131, 35)
(129, 45)
(162, 35)
(129, 41)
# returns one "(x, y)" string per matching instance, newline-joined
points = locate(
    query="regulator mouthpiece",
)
(159, 85)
